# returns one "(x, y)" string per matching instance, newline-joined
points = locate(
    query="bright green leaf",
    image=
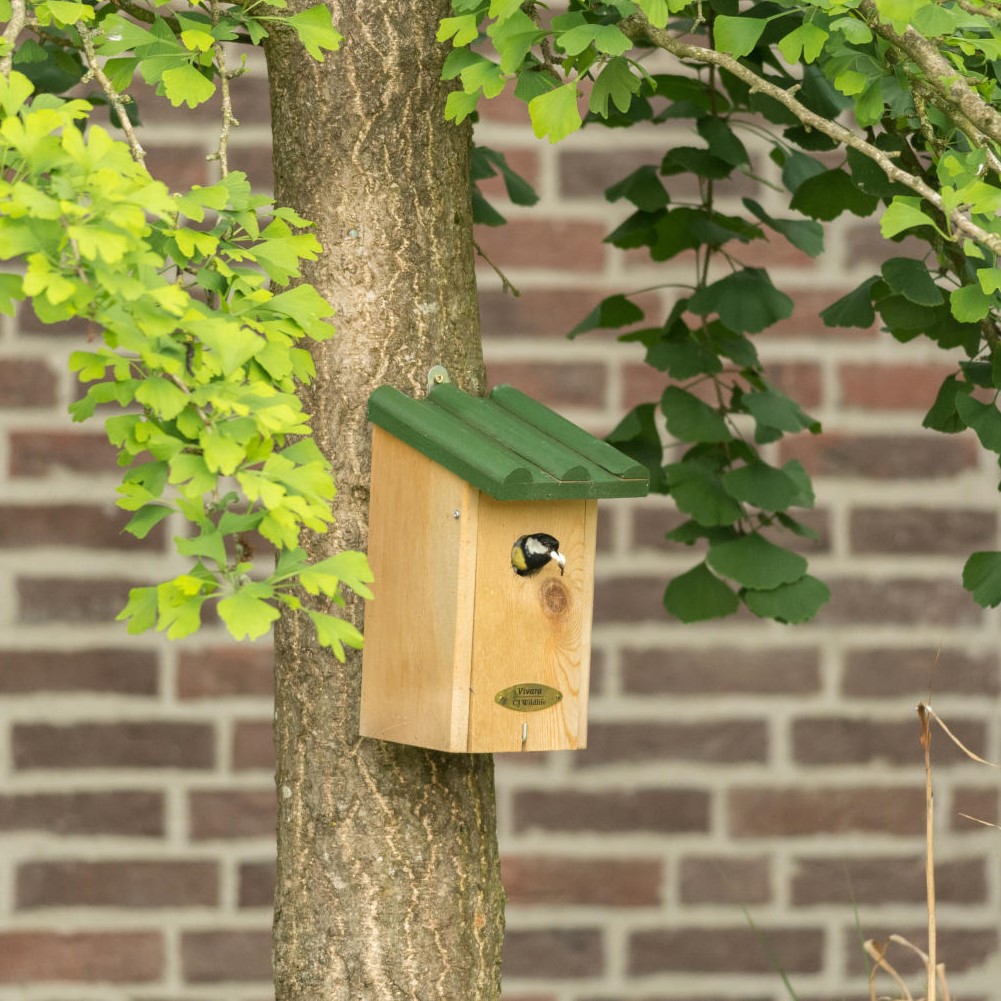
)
(316, 31)
(737, 35)
(555, 113)
(247, 616)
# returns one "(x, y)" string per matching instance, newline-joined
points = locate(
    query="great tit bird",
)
(532, 552)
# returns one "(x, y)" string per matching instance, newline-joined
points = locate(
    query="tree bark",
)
(388, 878)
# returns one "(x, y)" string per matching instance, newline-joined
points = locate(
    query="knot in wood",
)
(555, 597)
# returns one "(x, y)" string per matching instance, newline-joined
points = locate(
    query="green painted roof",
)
(507, 444)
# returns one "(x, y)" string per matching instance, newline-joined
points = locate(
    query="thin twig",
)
(638, 28)
(228, 118)
(506, 285)
(15, 25)
(114, 98)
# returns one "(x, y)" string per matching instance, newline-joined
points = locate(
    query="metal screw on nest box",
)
(531, 553)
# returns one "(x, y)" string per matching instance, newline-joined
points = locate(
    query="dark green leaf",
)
(984, 418)
(797, 168)
(942, 416)
(982, 577)
(637, 435)
(689, 419)
(722, 141)
(755, 562)
(699, 595)
(775, 410)
(762, 485)
(484, 214)
(697, 489)
(854, 309)
(642, 187)
(745, 301)
(616, 83)
(804, 234)
(791, 603)
(911, 279)
(694, 160)
(828, 194)
(615, 311)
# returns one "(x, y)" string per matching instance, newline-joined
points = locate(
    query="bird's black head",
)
(532, 552)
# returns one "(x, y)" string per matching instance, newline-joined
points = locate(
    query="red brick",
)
(858, 600)
(63, 599)
(630, 599)
(554, 953)
(504, 108)
(864, 245)
(147, 744)
(586, 174)
(232, 813)
(882, 457)
(214, 957)
(666, 811)
(972, 808)
(905, 672)
(545, 243)
(127, 672)
(715, 879)
(257, 884)
(178, 166)
(756, 811)
(531, 880)
(31, 328)
(883, 880)
(828, 740)
(634, 742)
(253, 745)
(873, 386)
(801, 381)
(721, 670)
(920, 530)
(86, 957)
(219, 671)
(121, 813)
(26, 383)
(736, 949)
(71, 525)
(117, 884)
(41, 453)
(556, 385)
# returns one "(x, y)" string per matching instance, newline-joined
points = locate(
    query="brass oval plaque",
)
(529, 697)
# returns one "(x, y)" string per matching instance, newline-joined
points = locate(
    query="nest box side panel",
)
(532, 634)
(418, 629)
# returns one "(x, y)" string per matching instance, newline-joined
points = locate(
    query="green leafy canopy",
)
(199, 351)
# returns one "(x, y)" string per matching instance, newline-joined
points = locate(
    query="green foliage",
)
(199, 347)
(922, 83)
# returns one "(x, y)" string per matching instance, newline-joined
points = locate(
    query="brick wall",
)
(731, 764)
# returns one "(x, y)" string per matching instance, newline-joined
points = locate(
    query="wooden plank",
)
(418, 630)
(533, 629)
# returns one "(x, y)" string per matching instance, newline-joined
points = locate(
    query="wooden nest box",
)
(463, 653)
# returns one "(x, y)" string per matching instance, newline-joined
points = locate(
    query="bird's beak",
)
(560, 559)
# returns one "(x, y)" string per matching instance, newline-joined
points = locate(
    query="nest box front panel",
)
(418, 630)
(532, 632)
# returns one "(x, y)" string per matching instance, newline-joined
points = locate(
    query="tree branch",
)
(15, 26)
(945, 78)
(639, 29)
(114, 98)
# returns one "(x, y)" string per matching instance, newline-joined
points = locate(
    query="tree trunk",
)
(388, 879)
